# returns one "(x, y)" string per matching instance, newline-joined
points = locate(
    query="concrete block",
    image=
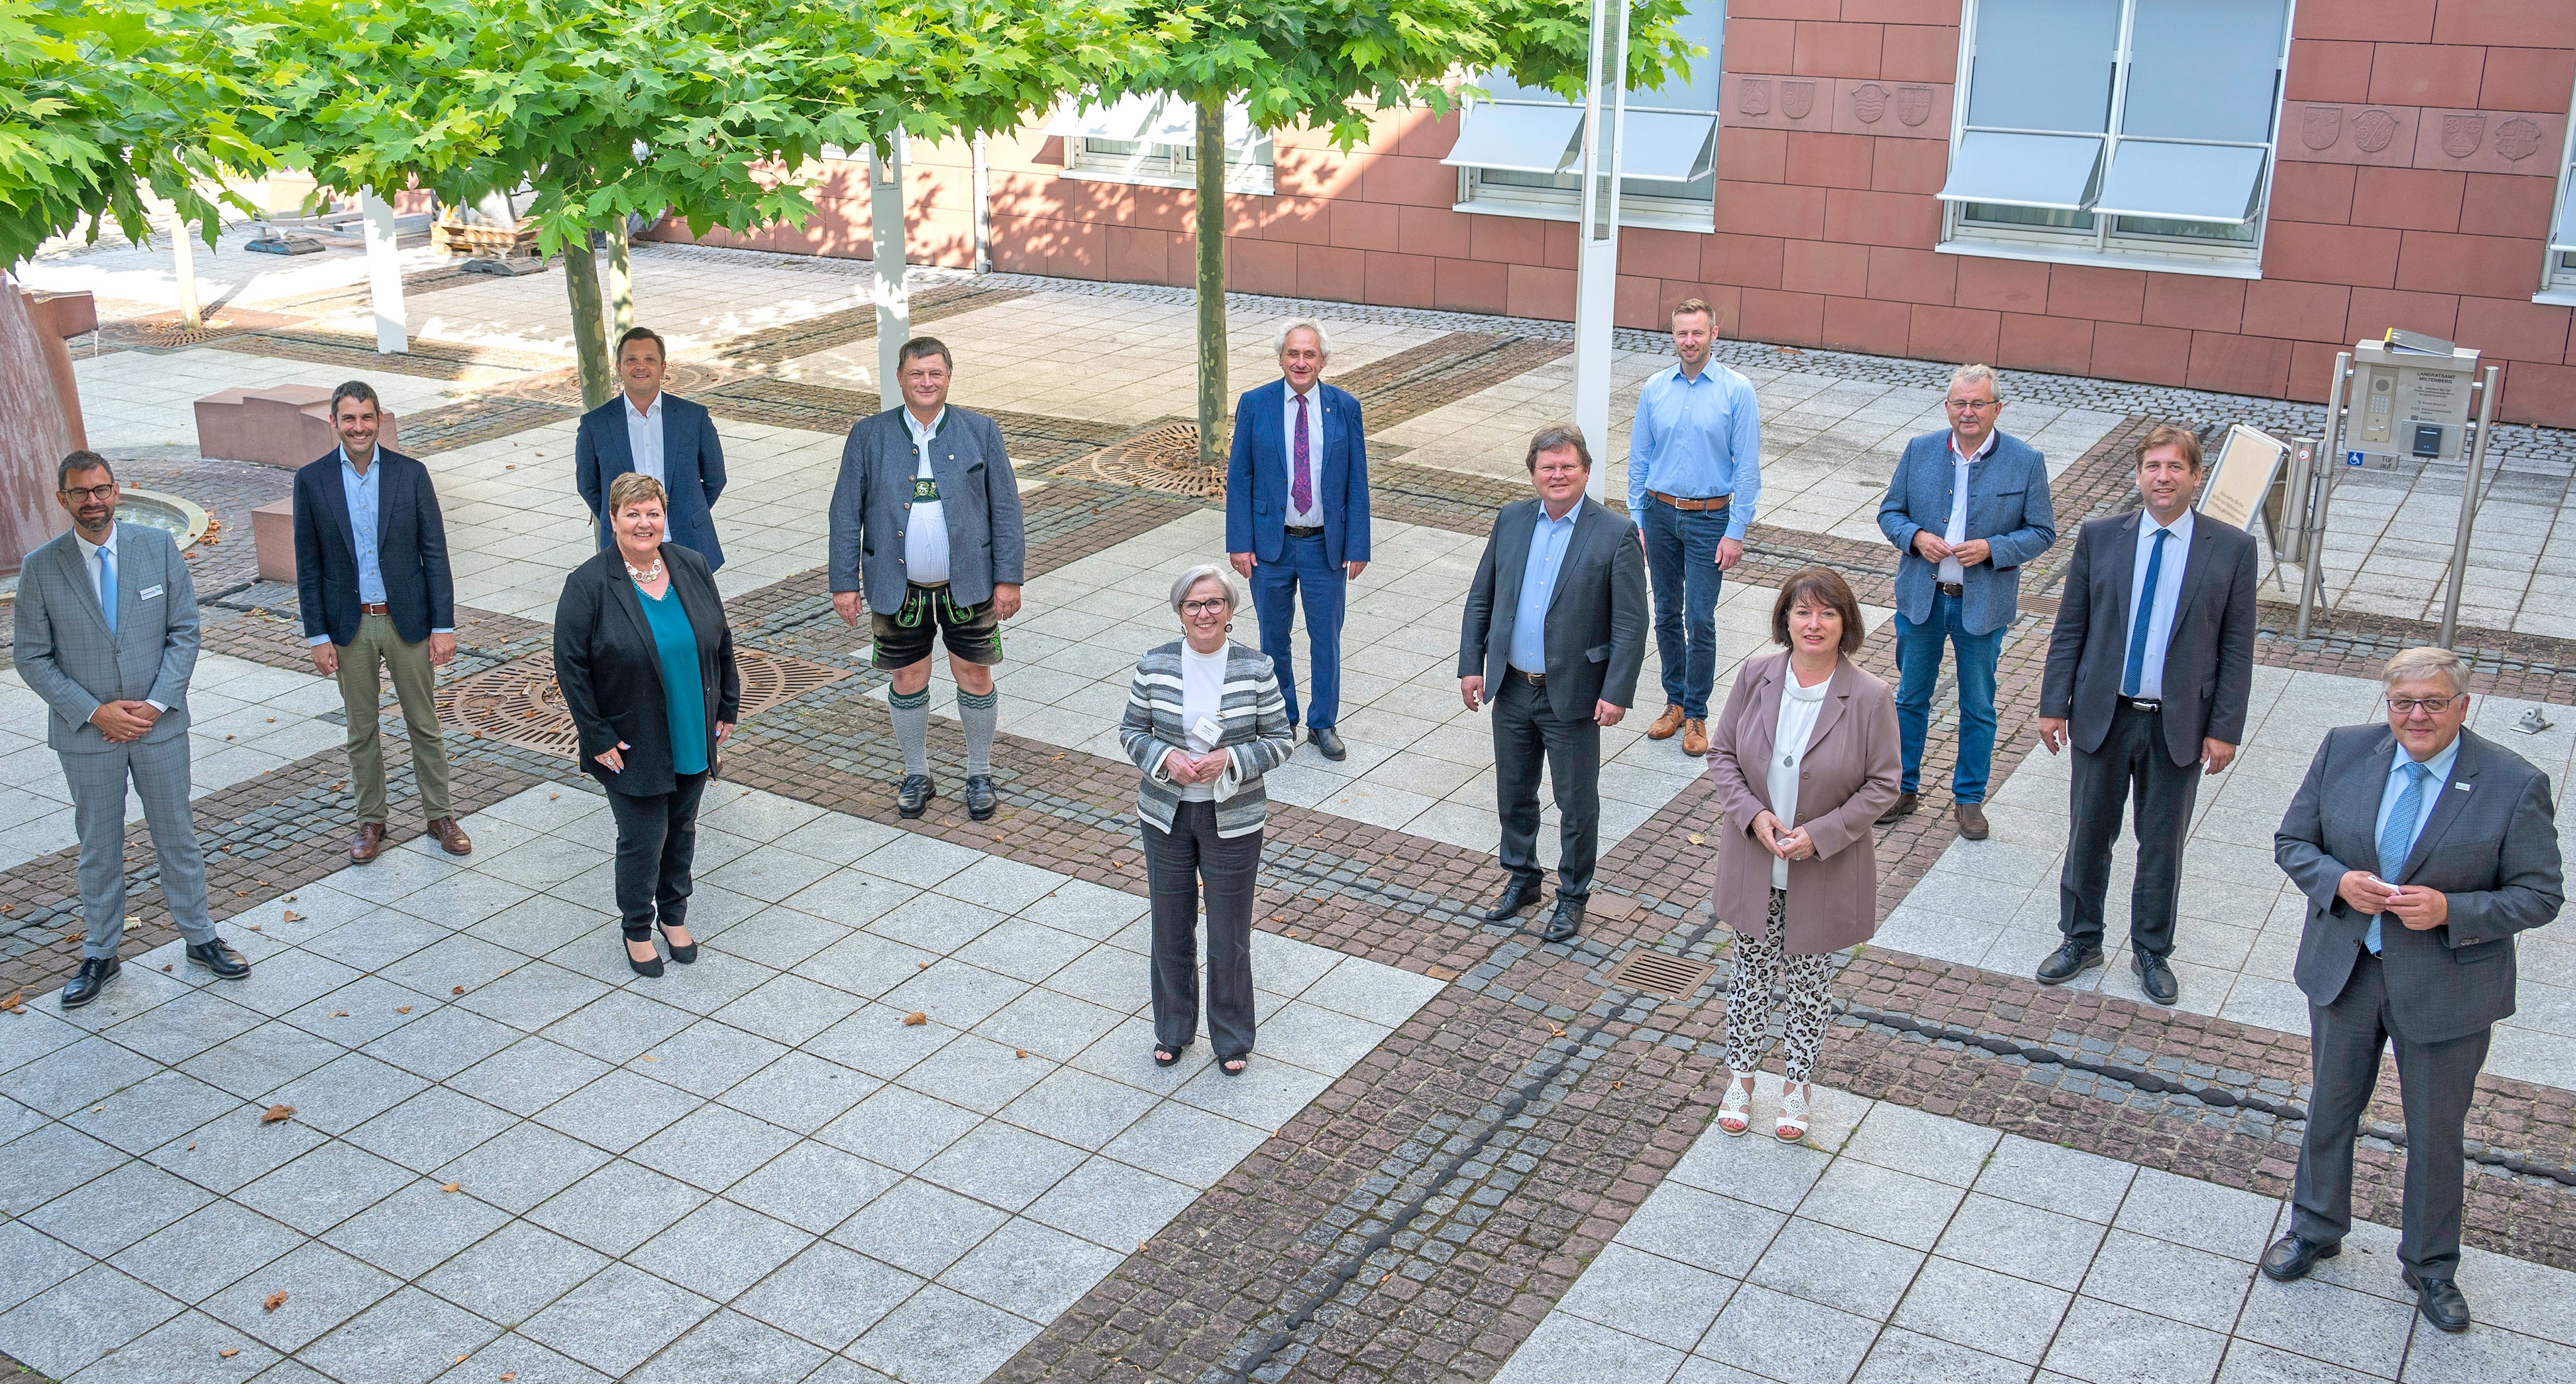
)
(272, 529)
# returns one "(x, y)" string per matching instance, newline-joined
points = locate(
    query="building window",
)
(2133, 132)
(2558, 271)
(1153, 139)
(1520, 153)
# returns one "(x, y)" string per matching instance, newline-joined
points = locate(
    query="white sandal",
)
(1735, 1112)
(1793, 1113)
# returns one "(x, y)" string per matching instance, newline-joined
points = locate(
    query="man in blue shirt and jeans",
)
(1694, 470)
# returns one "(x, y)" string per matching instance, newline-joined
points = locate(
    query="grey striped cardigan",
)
(1257, 732)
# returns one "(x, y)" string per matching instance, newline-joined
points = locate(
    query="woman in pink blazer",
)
(1804, 759)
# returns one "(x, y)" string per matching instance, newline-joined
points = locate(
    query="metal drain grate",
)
(1659, 973)
(519, 704)
(1164, 458)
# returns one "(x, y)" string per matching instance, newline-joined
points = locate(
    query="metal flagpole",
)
(885, 230)
(1596, 291)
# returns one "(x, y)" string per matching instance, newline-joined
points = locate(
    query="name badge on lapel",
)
(147, 593)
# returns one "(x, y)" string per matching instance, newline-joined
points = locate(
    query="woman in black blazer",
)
(646, 665)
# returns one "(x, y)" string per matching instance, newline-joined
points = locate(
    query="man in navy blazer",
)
(667, 438)
(371, 576)
(1297, 518)
(1966, 508)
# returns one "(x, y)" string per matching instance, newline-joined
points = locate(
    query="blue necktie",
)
(2137, 668)
(2397, 838)
(107, 588)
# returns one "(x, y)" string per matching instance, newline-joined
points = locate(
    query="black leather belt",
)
(1533, 679)
(2141, 704)
(1950, 588)
(1317, 531)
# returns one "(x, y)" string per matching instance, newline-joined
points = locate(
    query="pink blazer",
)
(1848, 778)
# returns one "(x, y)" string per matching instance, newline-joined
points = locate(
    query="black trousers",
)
(2132, 767)
(657, 840)
(1176, 862)
(1528, 733)
(2435, 1082)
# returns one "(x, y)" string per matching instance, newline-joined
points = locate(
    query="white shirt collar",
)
(648, 412)
(1987, 446)
(2180, 528)
(374, 459)
(89, 550)
(920, 429)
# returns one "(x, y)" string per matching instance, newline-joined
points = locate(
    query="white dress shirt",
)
(1798, 708)
(1202, 696)
(1957, 532)
(89, 563)
(2167, 598)
(1312, 516)
(644, 437)
(925, 529)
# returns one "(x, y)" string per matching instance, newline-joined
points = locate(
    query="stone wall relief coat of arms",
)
(1869, 102)
(2462, 133)
(2518, 139)
(2372, 131)
(1913, 104)
(2321, 126)
(1797, 99)
(1753, 96)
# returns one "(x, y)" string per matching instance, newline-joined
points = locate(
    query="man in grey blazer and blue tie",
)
(2423, 848)
(107, 635)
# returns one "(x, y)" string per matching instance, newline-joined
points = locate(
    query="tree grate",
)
(1659, 973)
(1164, 457)
(518, 703)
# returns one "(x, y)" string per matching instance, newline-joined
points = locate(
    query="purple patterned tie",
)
(1301, 487)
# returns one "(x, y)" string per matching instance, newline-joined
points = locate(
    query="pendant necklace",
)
(645, 576)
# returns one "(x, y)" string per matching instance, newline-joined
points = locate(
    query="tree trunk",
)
(1211, 246)
(589, 325)
(183, 258)
(621, 281)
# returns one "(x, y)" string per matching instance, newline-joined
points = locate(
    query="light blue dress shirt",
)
(2435, 781)
(1697, 439)
(365, 509)
(2168, 598)
(1548, 541)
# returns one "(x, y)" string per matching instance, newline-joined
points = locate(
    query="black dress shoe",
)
(1566, 921)
(95, 973)
(980, 797)
(913, 798)
(647, 969)
(1517, 895)
(2440, 1301)
(2155, 977)
(681, 954)
(220, 958)
(2290, 1258)
(1327, 744)
(2068, 962)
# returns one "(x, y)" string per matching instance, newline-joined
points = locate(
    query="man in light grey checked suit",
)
(107, 635)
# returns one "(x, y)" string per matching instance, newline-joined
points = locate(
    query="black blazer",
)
(611, 672)
(411, 544)
(1596, 616)
(2209, 657)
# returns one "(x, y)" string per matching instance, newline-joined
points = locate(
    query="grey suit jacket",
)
(1597, 615)
(2491, 845)
(66, 654)
(978, 495)
(2209, 656)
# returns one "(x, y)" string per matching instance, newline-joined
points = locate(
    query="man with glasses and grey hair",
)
(2422, 847)
(1966, 508)
(1297, 519)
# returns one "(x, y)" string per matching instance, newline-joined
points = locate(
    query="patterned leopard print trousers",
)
(1758, 964)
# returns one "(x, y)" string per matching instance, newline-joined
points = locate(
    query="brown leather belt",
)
(1533, 679)
(1690, 506)
(1950, 588)
(379, 609)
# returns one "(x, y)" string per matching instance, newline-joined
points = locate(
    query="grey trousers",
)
(1175, 863)
(1527, 737)
(2436, 1081)
(159, 772)
(2132, 770)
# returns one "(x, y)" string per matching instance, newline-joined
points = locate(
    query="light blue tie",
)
(2397, 838)
(2137, 669)
(107, 588)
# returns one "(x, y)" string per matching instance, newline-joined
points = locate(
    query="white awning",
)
(2056, 172)
(1151, 118)
(1124, 118)
(2564, 240)
(1518, 139)
(2212, 183)
(1666, 147)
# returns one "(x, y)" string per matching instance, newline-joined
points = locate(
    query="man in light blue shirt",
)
(1694, 471)
(1548, 537)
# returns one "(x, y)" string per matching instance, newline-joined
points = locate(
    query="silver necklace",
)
(645, 576)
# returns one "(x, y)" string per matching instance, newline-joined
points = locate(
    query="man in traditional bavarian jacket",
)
(927, 538)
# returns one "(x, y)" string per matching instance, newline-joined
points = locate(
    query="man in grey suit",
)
(2149, 670)
(2419, 868)
(927, 536)
(107, 635)
(1555, 632)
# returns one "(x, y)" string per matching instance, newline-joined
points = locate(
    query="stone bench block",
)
(281, 425)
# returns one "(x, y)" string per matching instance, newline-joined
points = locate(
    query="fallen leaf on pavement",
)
(456, 990)
(273, 1301)
(1441, 973)
(165, 966)
(339, 1013)
(915, 1019)
(651, 1058)
(192, 1148)
(505, 1379)
(277, 1113)
(1696, 839)
(1019, 1052)
(291, 916)
(402, 1009)
(16, 998)
(257, 928)
(451, 1186)
(229, 1352)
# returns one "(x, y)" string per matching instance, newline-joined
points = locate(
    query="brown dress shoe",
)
(451, 837)
(1694, 738)
(1902, 807)
(1972, 820)
(371, 839)
(1665, 724)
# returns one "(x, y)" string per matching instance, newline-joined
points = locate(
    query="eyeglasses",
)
(2408, 706)
(95, 492)
(1205, 607)
(1973, 405)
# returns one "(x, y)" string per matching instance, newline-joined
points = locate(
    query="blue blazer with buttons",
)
(693, 470)
(1256, 475)
(411, 550)
(2007, 506)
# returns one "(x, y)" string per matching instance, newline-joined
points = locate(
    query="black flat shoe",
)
(2068, 962)
(913, 798)
(95, 973)
(2156, 978)
(643, 968)
(680, 954)
(221, 959)
(2290, 1258)
(1327, 744)
(2440, 1301)
(980, 797)
(1565, 922)
(1517, 895)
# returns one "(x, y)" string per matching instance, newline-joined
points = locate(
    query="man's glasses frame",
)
(91, 492)
(2408, 706)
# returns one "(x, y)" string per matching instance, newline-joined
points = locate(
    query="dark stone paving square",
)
(813, 1186)
(618, 1207)
(323, 1288)
(721, 1249)
(416, 1229)
(101, 1217)
(828, 1295)
(431, 1129)
(72, 1323)
(617, 1110)
(408, 1338)
(324, 1187)
(522, 1167)
(515, 1272)
(151, 1111)
(207, 1251)
(618, 1319)
(528, 1076)
(257, 1062)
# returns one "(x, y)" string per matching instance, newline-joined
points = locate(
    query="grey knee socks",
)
(912, 727)
(978, 714)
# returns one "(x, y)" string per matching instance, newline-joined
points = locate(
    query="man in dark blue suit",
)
(1297, 518)
(667, 438)
(371, 575)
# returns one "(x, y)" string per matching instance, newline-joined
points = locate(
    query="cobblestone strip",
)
(777, 345)
(1409, 383)
(1035, 440)
(465, 423)
(428, 358)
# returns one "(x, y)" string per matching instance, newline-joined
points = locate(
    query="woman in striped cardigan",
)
(1204, 721)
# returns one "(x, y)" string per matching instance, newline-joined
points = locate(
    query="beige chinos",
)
(361, 694)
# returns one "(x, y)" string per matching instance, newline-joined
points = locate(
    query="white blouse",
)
(1202, 696)
(1798, 708)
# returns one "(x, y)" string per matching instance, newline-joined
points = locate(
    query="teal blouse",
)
(684, 694)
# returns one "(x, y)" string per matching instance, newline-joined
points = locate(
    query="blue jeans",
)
(1918, 664)
(1681, 560)
(1275, 589)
